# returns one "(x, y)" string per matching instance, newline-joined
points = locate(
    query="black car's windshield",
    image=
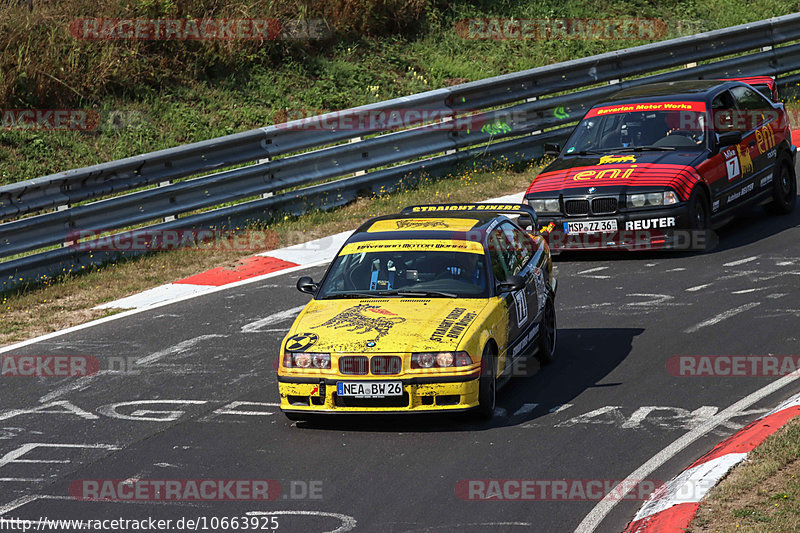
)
(654, 130)
(409, 274)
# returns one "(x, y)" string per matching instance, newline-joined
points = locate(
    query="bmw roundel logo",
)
(371, 344)
(592, 189)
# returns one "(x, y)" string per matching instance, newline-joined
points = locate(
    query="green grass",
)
(191, 91)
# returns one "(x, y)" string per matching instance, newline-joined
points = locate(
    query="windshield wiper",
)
(421, 294)
(647, 149)
(590, 152)
(351, 295)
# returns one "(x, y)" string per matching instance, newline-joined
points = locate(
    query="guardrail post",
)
(266, 194)
(351, 141)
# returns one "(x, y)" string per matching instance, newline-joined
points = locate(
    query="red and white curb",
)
(250, 269)
(672, 507)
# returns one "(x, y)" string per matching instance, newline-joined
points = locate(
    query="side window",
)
(521, 249)
(498, 253)
(722, 113)
(753, 108)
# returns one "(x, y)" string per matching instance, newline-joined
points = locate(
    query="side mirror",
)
(729, 138)
(514, 283)
(307, 285)
(551, 149)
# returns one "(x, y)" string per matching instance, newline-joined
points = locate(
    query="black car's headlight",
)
(545, 205)
(651, 199)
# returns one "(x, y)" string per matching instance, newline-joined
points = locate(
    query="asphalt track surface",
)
(602, 410)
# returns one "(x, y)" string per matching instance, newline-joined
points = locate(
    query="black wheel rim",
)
(700, 215)
(786, 184)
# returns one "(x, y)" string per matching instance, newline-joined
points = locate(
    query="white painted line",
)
(275, 318)
(24, 479)
(601, 510)
(24, 500)
(746, 291)
(559, 408)
(722, 316)
(526, 408)
(698, 287)
(179, 348)
(132, 312)
(598, 277)
(740, 261)
(596, 269)
(71, 385)
(348, 522)
(14, 455)
(514, 198)
(690, 486)
(316, 250)
(159, 294)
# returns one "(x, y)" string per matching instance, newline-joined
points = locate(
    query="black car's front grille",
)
(385, 365)
(353, 365)
(604, 206)
(576, 207)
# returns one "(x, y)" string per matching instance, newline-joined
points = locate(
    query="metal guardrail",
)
(307, 156)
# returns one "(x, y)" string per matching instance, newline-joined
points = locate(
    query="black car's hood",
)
(620, 170)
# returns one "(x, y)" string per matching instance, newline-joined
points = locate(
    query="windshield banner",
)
(647, 106)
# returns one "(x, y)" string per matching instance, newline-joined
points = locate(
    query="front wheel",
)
(698, 210)
(784, 191)
(487, 391)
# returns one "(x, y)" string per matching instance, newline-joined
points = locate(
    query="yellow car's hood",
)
(383, 325)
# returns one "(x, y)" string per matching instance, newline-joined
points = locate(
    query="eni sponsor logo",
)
(611, 173)
(765, 138)
(606, 159)
(453, 325)
(356, 320)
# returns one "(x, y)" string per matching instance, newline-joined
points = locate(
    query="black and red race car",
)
(657, 165)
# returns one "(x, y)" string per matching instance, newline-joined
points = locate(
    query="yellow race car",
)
(425, 310)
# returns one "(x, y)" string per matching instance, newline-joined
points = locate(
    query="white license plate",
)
(591, 226)
(369, 389)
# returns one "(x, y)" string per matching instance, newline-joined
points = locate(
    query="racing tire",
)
(698, 210)
(784, 191)
(487, 384)
(547, 334)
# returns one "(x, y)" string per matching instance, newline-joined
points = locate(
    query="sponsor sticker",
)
(649, 106)
(417, 245)
(427, 224)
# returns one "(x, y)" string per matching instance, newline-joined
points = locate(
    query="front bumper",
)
(663, 228)
(420, 394)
